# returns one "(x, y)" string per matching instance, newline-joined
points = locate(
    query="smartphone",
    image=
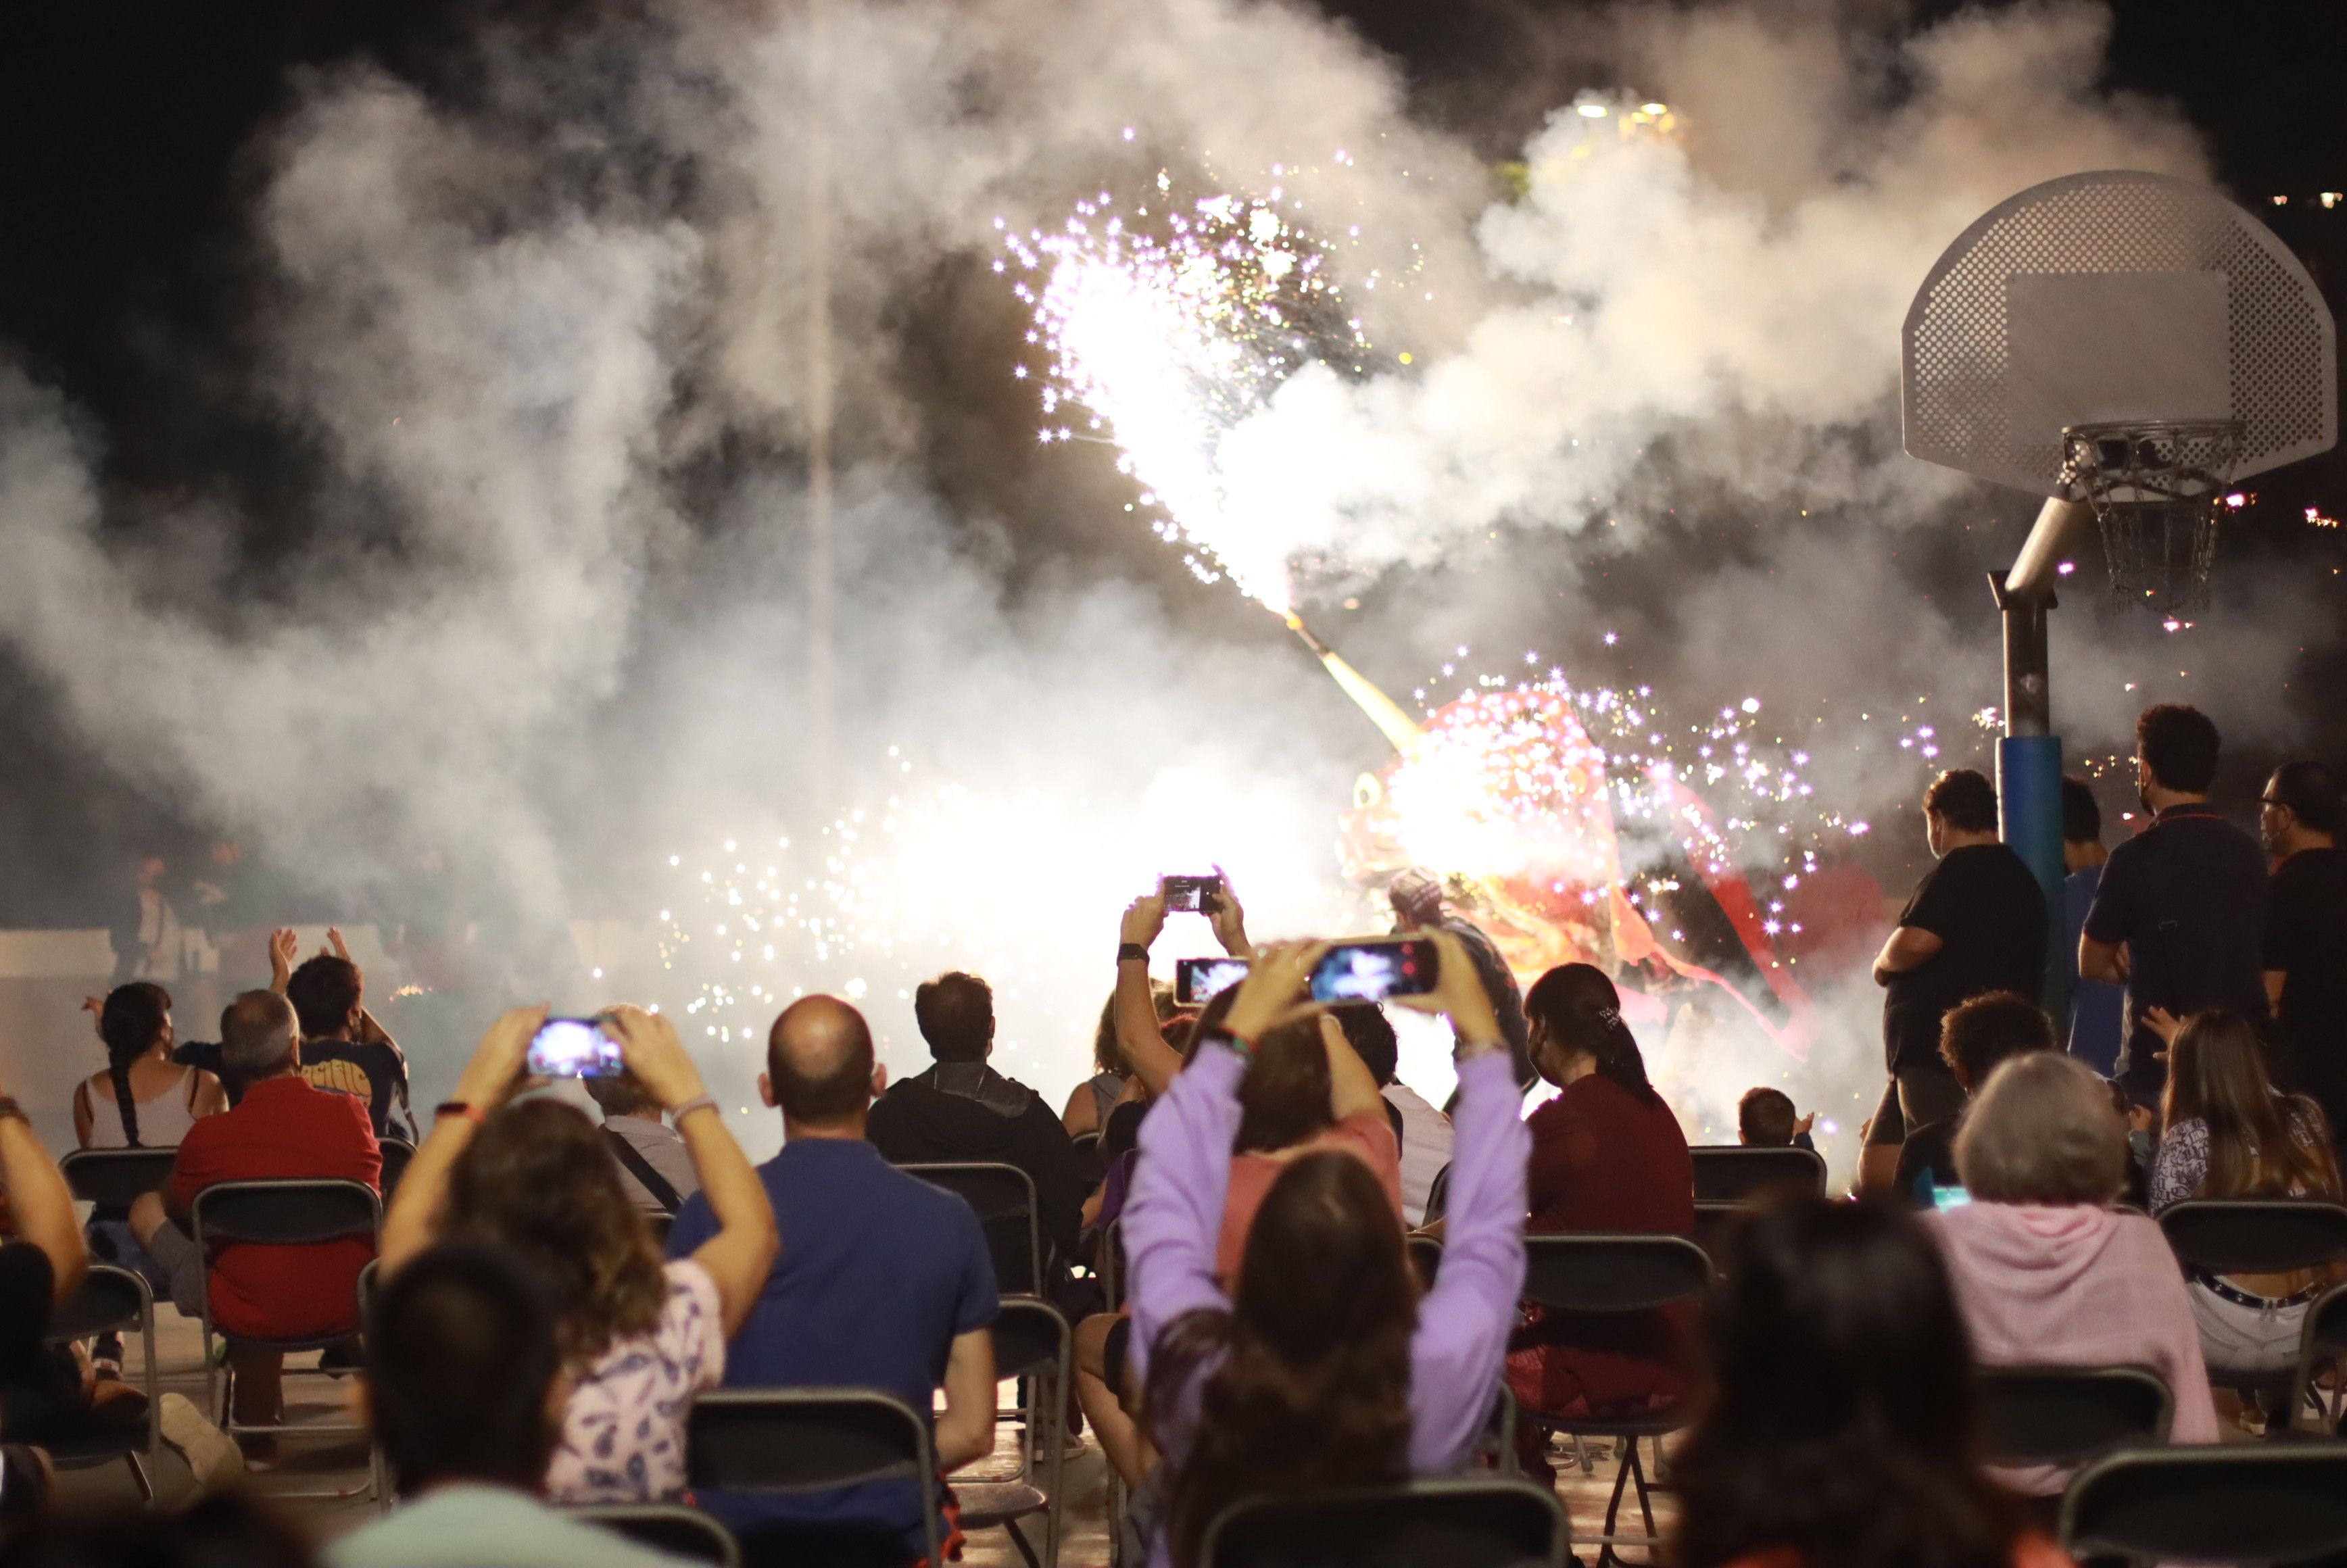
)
(574, 1048)
(1196, 981)
(1949, 1198)
(1375, 968)
(1196, 894)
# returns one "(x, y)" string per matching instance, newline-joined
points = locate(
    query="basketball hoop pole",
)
(2029, 757)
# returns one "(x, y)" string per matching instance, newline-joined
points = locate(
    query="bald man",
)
(885, 1282)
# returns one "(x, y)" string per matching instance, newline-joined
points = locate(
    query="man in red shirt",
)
(282, 1128)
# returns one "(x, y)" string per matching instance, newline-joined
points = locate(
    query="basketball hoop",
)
(2157, 488)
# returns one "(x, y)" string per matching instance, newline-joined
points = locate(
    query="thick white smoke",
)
(527, 630)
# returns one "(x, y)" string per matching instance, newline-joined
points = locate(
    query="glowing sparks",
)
(1172, 327)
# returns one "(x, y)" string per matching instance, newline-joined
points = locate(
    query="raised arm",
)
(1153, 1061)
(489, 1079)
(1463, 1323)
(39, 1202)
(741, 1255)
(1352, 1087)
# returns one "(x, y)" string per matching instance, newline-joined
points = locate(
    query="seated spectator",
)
(1843, 1425)
(42, 1396)
(655, 1167)
(2231, 1136)
(281, 1128)
(885, 1283)
(1090, 1103)
(1975, 1037)
(1324, 1369)
(1765, 1119)
(466, 1395)
(342, 1047)
(142, 1100)
(2045, 1273)
(536, 1176)
(1134, 1007)
(1606, 1156)
(204, 1056)
(962, 1110)
(1424, 1132)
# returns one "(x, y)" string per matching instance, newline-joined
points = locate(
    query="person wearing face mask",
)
(2179, 916)
(2305, 955)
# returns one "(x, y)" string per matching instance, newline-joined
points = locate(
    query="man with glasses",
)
(2179, 916)
(2306, 929)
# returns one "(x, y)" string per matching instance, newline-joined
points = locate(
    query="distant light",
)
(1593, 111)
(2332, 198)
(1666, 108)
(2237, 500)
(2281, 201)
(2066, 568)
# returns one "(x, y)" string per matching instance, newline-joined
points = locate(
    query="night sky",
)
(124, 178)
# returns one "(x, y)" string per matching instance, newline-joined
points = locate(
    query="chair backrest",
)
(1004, 1199)
(1468, 1522)
(1732, 1173)
(110, 1300)
(117, 1177)
(2067, 1415)
(660, 1225)
(1113, 1266)
(1031, 1336)
(2232, 1502)
(1089, 1162)
(396, 1153)
(1605, 1273)
(1438, 1194)
(2323, 1340)
(2256, 1235)
(669, 1527)
(803, 1439)
(289, 1212)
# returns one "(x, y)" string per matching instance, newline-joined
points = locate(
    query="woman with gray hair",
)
(2046, 1272)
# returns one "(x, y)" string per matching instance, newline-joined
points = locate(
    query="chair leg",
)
(1581, 1452)
(1638, 1479)
(1019, 1539)
(1607, 1556)
(138, 1474)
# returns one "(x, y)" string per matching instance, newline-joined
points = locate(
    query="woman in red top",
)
(1607, 1156)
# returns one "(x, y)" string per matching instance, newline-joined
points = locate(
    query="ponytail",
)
(130, 1022)
(1581, 1009)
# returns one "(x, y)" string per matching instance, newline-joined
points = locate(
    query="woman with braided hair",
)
(1607, 1156)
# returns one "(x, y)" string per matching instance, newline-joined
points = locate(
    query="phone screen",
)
(1197, 981)
(573, 1047)
(1949, 1198)
(1188, 893)
(1373, 971)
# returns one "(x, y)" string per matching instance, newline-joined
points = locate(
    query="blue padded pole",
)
(2029, 814)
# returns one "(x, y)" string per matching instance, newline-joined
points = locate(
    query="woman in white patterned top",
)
(2230, 1134)
(639, 1337)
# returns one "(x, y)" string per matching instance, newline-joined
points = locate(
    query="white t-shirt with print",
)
(623, 1430)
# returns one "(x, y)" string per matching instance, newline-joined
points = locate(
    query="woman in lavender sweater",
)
(1327, 1371)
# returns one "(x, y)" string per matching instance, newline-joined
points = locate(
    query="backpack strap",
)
(631, 1160)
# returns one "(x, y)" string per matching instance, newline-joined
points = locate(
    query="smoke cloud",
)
(549, 346)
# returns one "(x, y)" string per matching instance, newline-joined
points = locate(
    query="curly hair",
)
(1313, 1388)
(538, 1178)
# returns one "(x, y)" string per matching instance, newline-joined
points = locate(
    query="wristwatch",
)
(1131, 951)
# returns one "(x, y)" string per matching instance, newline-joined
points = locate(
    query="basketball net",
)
(2157, 487)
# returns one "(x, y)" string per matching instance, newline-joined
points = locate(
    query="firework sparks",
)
(1165, 327)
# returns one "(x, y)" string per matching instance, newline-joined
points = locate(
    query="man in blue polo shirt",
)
(883, 1282)
(2179, 916)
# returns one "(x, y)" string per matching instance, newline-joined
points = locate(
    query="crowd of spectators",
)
(1228, 1211)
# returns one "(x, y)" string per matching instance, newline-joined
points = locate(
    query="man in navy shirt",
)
(885, 1282)
(2179, 916)
(2094, 1005)
(2306, 931)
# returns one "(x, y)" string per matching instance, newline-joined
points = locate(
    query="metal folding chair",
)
(284, 1213)
(115, 1178)
(2323, 1343)
(2068, 1415)
(1004, 1197)
(1458, 1523)
(1615, 1273)
(2221, 1503)
(669, 1527)
(111, 1300)
(790, 1441)
(2257, 1236)
(1033, 1342)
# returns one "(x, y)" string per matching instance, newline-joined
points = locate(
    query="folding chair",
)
(111, 1300)
(1734, 1173)
(1032, 1342)
(286, 1213)
(2229, 1503)
(115, 1178)
(669, 1527)
(1113, 1268)
(1425, 1258)
(2323, 1343)
(785, 1440)
(1087, 1146)
(1615, 1273)
(2257, 1236)
(1460, 1522)
(396, 1153)
(1004, 1199)
(2067, 1415)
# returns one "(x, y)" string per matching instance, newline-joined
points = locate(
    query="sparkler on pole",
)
(1407, 735)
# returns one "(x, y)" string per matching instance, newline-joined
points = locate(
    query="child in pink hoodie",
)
(2046, 1273)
